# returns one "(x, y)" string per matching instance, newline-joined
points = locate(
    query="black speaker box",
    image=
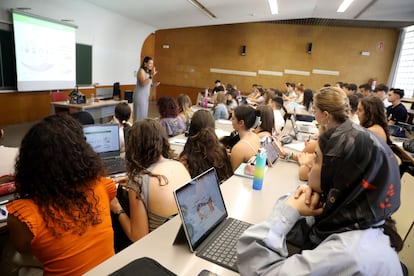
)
(243, 50)
(309, 48)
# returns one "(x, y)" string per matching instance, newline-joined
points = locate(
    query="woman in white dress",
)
(142, 90)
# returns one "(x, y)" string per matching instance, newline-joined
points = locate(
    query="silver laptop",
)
(208, 230)
(104, 139)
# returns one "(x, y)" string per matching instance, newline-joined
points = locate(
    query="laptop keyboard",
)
(115, 165)
(222, 250)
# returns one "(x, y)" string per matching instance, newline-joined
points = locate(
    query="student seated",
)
(184, 108)
(267, 121)
(121, 117)
(244, 120)
(331, 107)
(371, 115)
(152, 177)
(203, 149)
(170, 119)
(396, 112)
(220, 109)
(338, 224)
(63, 214)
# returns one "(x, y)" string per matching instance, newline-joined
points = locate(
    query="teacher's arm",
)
(142, 77)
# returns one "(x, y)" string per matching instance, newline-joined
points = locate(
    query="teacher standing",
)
(142, 90)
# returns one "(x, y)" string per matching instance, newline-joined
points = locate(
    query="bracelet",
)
(289, 156)
(120, 212)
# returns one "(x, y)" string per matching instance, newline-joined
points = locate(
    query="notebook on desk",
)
(104, 139)
(208, 231)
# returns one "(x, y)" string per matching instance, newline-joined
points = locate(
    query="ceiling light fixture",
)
(344, 6)
(274, 9)
(199, 6)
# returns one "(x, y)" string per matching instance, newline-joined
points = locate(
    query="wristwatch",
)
(120, 212)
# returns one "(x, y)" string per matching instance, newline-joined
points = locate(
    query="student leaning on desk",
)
(338, 224)
(63, 214)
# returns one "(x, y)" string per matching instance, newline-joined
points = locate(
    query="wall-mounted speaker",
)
(309, 48)
(243, 50)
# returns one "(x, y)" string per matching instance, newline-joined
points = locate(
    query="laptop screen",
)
(201, 207)
(104, 138)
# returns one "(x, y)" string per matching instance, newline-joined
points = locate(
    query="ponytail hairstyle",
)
(123, 113)
(249, 115)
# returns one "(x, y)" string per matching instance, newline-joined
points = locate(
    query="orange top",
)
(71, 254)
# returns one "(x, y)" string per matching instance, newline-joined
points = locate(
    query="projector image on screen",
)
(45, 53)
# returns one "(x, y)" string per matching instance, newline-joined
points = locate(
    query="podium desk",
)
(99, 110)
(242, 202)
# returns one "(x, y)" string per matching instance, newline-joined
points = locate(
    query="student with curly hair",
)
(170, 119)
(153, 176)
(63, 214)
(203, 149)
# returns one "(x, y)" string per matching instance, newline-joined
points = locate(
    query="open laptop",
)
(104, 139)
(208, 230)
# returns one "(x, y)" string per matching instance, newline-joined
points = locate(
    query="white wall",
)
(116, 41)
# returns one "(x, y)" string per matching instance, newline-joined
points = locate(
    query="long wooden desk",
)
(98, 110)
(242, 202)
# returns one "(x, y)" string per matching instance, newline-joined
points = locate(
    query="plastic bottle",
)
(92, 98)
(259, 169)
(205, 100)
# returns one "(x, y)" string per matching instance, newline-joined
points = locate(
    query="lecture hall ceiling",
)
(166, 14)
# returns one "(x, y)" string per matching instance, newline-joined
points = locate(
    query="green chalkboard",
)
(7, 61)
(83, 64)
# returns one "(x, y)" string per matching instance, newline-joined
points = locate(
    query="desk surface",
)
(88, 105)
(242, 202)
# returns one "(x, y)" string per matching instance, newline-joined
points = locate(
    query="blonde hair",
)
(334, 101)
(220, 97)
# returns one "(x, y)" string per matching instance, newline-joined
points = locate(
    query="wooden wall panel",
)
(193, 51)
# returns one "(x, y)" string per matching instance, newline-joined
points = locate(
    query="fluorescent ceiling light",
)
(344, 6)
(199, 6)
(273, 6)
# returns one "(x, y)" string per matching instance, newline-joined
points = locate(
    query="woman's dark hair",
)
(146, 142)
(374, 114)
(248, 114)
(201, 119)
(57, 169)
(280, 103)
(144, 63)
(167, 107)
(307, 98)
(203, 150)
(267, 118)
(123, 113)
(353, 103)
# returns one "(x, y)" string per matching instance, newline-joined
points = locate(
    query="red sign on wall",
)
(380, 46)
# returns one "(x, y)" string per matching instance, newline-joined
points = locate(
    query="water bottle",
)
(205, 100)
(259, 169)
(92, 98)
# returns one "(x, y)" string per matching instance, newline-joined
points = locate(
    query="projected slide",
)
(45, 54)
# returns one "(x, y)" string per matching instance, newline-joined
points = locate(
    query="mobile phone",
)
(206, 272)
